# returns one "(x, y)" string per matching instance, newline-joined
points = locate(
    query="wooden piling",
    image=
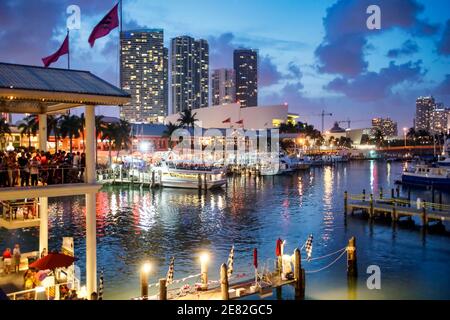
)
(144, 285)
(352, 269)
(424, 217)
(371, 206)
(345, 201)
(364, 194)
(205, 182)
(163, 289)
(392, 193)
(199, 178)
(381, 193)
(398, 191)
(299, 276)
(224, 282)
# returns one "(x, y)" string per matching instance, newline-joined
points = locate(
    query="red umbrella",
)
(52, 261)
(255, 258)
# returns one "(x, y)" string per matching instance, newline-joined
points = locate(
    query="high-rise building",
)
(223, 86)
(144, 74)
(439, 119)
(245, 63)
(424, 110)
(190, 73)
(387, 126)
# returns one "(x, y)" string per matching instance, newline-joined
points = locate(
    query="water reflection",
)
(138, 224)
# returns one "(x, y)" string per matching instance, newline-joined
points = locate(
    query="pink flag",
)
(64, 49)
(108, 23)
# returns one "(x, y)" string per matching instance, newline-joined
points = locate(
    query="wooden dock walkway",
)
(396, 208)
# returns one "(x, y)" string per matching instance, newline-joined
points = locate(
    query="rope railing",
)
(325, 256)
(329, 265)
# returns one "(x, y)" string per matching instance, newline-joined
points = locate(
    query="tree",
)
(171, 127)
(100, 126)
(4, 129)
(378, 137)
(187, 118)
(122, 136)
(29, 127)
(70, 127)
(54, 128)
(108, 133)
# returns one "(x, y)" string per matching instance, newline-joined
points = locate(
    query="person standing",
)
(34, 171)
(7, 260)
(16, 256)
(24, 170)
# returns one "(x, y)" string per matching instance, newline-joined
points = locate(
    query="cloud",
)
(268, 72)
(444, 87)
(443, 45)
(342, 48)
(371, 86)
(408, 47)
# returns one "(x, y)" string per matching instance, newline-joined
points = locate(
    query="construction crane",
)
(348, 121)
(323, 114)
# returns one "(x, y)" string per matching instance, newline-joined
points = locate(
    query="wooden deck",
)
(396, 208)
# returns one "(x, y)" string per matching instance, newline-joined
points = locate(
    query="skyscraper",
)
(223, 86)
(144, 74)
(190, 73)
(246, 67)
(387, 126)
(439, 119)
(424, 110)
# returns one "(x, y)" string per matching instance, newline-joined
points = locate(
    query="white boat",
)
(273, 166)
(189, 175)
(425, 175)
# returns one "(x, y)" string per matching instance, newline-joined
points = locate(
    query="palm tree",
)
(171, 127)
(122, 137)
(99, 127)
(108, 133)
(29, 127)
(54, 128)
(187, 118)
(70, 127)
(378, 137)
(4, 129)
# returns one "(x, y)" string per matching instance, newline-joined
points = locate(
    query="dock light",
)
(145, 270)
(204, 259)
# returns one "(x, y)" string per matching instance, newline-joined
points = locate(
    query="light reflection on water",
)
(135, 224)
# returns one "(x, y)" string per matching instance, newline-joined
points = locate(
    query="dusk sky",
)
(313, 55)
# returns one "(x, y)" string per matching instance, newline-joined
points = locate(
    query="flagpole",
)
(120, 45)
(68, 51)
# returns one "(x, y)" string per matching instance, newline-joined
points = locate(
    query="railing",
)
(45, 176)
(51, 292)
(12, 210)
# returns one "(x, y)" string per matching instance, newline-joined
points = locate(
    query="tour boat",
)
(189, 175)
(425, 175)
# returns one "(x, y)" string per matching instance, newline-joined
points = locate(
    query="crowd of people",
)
(11, 260)
(31, 168)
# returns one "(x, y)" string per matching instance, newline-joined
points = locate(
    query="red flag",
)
(108, 23)
(240, 121)
(64, 49)
(255, 258)
(278, 247)
(228, 120)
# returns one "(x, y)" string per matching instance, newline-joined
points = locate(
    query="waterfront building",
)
(190, 73)
(6, 116)
(387, 126)
(223, 86)
(424, 109)
(144, 74)
(245, 63)
(234, 116)
(42, 91)
(440, 118)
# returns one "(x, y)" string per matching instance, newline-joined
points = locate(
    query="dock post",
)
(163, 289)
(398, 192)
(424, 217)
(371, 206)
(364, 194)
(205, 182)
(153, 178)
(224, 282)
(381, 193)
(144, 285)
(345, 201)
(199, 178)
(299, 276)
(392, 193)
(394, 214)
(352, 269)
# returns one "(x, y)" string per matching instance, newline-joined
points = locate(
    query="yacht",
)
(189, 175)
(282, 165)
(444, 159)
(426, 175)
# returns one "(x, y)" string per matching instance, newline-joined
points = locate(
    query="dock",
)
(396, 208)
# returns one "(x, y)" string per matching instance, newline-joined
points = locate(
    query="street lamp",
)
(404, 133)
(145, 270)
(204, 259)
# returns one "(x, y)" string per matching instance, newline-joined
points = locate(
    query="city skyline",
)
(304, 53)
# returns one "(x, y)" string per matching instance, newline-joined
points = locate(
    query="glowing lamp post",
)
(145, 270)
(204, 259)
